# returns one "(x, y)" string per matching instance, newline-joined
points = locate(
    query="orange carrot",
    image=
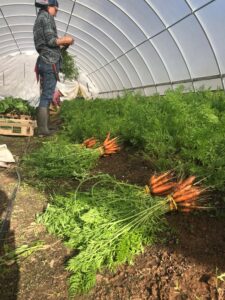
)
(179, 192)
(162, 181)
(89, 143)
(152, 180)
(155, 179)
(188, 196)
(163, 188)
(107, 138)
(186, 182)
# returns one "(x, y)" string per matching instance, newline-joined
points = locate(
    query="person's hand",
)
(67, 40)
(56, 98)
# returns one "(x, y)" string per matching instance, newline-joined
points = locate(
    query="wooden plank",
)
(17, 127)
(11, 116)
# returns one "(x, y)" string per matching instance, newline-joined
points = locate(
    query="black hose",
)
(5, 226)
(6, 221)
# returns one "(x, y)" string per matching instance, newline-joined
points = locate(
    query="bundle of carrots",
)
(162, 185)
(186, 194)
(108, 147)
(181, 195)
(90, 143)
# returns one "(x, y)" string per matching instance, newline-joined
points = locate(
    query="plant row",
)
(181, 130)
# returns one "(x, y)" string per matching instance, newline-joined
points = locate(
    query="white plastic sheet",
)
(123, 44)
(6, 156)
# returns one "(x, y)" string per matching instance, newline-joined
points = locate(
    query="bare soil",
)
(183, 265)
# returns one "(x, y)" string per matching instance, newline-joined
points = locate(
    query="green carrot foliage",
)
(60, 159)
(107, 226)
(179, 130)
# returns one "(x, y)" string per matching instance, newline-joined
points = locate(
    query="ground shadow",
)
(9, 270)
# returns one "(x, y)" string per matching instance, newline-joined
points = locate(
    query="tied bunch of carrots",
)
(108, 147)
(163, 184)
(90, 143)
(182, 195)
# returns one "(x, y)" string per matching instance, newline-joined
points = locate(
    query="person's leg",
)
(48, 87)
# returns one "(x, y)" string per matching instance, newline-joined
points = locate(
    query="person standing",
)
(48, 45)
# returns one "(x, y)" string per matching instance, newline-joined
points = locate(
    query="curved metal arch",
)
(90, 45)
(98, 80)
(83, 68)
(8, 34)
(85, 33)
(182, 55)
(124, 53)
(95, 81)
(84, 63)
(5, 46)
(96, 28)
(81, 53)
(18, 39)
(71, 13)
(22, 4)
(21, 48)
(10, 51)
(105, 35)
(114, 71)
(91, 55)
(10, 29)
(141, 29)
(138, 26)
(113, 26)
(149, 39)
(166, 29)
(206, 36)
(80, 39)
(98, 52)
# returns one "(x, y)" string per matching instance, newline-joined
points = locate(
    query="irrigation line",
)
(7, 215)
(6, 221)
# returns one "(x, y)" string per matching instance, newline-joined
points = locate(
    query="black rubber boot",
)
(42, 121)
(51, 127)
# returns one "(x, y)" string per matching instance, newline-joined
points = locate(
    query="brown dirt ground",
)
(185, 266)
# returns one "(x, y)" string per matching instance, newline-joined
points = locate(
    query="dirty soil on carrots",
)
(187, 264)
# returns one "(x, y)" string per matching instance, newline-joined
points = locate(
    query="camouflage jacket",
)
(45, 35)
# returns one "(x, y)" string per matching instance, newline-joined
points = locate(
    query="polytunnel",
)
(112, 149)
(146, 45)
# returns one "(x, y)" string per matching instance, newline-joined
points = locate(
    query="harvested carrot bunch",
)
(182, 195)
(90, 143)
(162, 184)
(109, 146)
(186, 195)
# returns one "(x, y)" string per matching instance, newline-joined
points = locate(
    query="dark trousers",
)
(48, 80)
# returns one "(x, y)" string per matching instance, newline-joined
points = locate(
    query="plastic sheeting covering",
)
(75, 89)
(143, 45)
(19, 80)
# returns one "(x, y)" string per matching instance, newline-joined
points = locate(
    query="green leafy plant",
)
(60, 159)
(181, 130)
(23, 251)
(16, 106)
(107, 226)
(69, 68)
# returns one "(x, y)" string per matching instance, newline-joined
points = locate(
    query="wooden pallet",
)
(12, 125)
(12, 116)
